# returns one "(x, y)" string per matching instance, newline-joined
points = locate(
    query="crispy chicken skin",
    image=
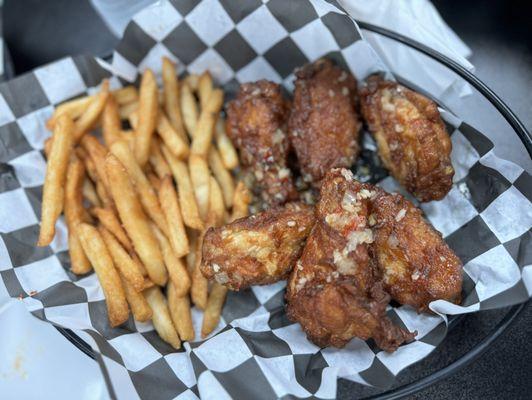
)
(324, 125)
(333, 291)
(258, 249)
(417, 266)
(411, 137)
(256, 122)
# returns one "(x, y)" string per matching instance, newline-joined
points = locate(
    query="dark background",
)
(500, 34)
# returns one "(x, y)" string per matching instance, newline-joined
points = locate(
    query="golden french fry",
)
(54, 182)
(189, 109)
(225, 145)
(135, 221)
(124, 263)
(161, 317)
(211, 315)
(176, 268)
(47, 147)
(199, 289)
(147, 114)
(111, 124)
(97, 153)
(102, 262)
(223, 176)
(155, 182)
(193, 244)
(75, 108)
(203, 133)
(138, 304)
(74, 214)
(176, 229)
(241, 201)
(127, 109)
(175, 143)
(187, 200)
(200, 177)
(204, 88)
(91, 114)
(171, 97)
(157, 160)
(110, 221)
(179, 307)
(125, 95)
(216, 205)
(94, 163)
(89, 192)
(192, 81)
(148, 197)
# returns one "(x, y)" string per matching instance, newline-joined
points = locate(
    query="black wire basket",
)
(410, 382)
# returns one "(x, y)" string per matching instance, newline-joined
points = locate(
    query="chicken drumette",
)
(256, 122)
(416, 265)
(333, 291)
(411, 137)
(324, 125)
(258, 249)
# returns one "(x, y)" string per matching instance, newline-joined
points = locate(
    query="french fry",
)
(222, 175)
(75, 108)
(74, 214)
(193, 244)
(110, 221)
(174, 219)
(199, 289)
(200, 177)
(89, 192)
(171, 97)
(147, 114)
(54, 182)
(179, 307)
(187, 200)
(225, 145)
(175, 143)
(155, 182)
(97, 153)
(204, 88)
(127, 109)
(213, 310)
(203, 133)
(124, 263)
(216, 204)
(176, 268)
(138, 304)
(91, 114)
(241, 201)
(192, 81)
(161, 317)
(135, 221)
(189, 109)
(148, 197)
(102, 262)
(157, 160)
(111, 124)
(94, 163)
(48, 147)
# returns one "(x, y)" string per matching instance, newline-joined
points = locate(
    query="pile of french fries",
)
(137, 205)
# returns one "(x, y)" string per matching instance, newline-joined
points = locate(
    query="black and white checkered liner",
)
(255, 352)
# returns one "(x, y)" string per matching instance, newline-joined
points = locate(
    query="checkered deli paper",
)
(255, 352)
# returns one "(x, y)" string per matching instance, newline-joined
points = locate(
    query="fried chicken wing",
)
(324, 124)
(333, 291)
(411, 137)
(258, 249)
(256, 122)
(416, 264)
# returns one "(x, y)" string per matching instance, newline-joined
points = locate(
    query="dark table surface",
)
(499, 33)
